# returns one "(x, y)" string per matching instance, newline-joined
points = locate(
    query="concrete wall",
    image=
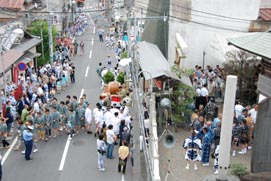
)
(156, 31)
(265, 3)
(202, 27)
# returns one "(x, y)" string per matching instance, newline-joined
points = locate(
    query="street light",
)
(73, 10)
(150, 100)
(203, 59)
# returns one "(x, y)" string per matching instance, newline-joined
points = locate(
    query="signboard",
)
(22, 66)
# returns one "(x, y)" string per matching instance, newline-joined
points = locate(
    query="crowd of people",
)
(206, 120)
(39, 116)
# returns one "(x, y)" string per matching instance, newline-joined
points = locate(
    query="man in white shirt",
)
(238, 108)
(110, 139)
(254, 112)
(114, 109)
(107, 116)
(115, 120)
(204, 95)
(99, 121)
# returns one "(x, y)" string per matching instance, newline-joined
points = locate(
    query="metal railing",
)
(150, 144)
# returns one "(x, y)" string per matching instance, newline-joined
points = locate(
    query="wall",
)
(156, 30)
(265, 3)
(202, 27)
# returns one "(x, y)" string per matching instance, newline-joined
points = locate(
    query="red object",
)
(115, 98)
(158, 83)
(103, 96)
(18, 92)
(15, 75)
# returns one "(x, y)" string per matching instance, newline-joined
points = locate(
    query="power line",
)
(200, 23)
(208, 17)
(203, 12)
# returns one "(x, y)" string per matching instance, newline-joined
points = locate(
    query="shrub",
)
(239, 170)
(120, 77)
(108, 77)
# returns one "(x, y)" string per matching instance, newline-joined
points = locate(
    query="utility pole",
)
(50, 33)
(41, 36)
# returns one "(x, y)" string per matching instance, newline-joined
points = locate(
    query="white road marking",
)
(122, 178)
(9, 150)
(90, 54)
(65, 152)
(81, 94)
(86, 74)
(63, 159)
(91, 21)
(92, 41)
(94, 29)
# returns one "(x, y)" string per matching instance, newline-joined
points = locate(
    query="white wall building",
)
(199, 21)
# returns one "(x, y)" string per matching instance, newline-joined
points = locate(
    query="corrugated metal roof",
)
(265, 14)
(256, 43)
(12, 4)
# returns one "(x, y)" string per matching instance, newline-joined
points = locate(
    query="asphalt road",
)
(80, 163)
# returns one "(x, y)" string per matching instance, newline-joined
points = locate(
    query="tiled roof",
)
(256, 43)
(27, 43)
(12, 4)
(265, 14)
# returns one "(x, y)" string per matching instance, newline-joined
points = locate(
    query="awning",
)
(153, 61)
(28, 56)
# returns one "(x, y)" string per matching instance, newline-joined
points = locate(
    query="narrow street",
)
(61, 159)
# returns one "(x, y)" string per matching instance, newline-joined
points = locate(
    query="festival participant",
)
(206, 146)
(40, 123)
(244, 137)
(55, 121)
(48, 124)
(88, 119)
(192, 145)
(236, 133)
(101, 147)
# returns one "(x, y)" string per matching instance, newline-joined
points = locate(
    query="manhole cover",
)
(78, 143)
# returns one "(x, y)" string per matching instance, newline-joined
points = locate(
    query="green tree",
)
(35, 29)
(242, 64)
(182, 96)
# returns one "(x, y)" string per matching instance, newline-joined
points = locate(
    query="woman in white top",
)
(88, 119)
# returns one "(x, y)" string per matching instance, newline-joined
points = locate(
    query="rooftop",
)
(265, 14)
(256, 43)
(12, 4)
